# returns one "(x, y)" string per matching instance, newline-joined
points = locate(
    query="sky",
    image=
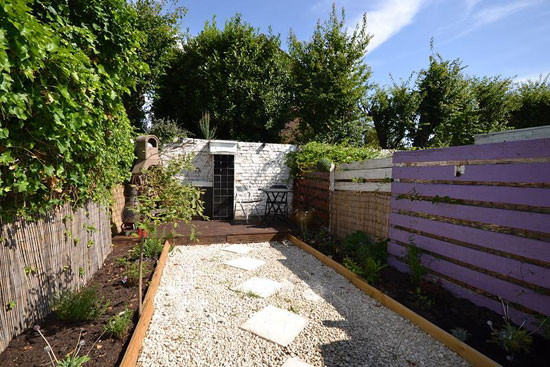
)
(492, 37)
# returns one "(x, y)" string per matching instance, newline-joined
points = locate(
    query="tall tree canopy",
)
(159, 23)
(531, 105)
(443, 107)
(329, 79)
(237, 74)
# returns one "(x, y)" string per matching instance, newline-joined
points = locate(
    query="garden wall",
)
(40, 259)
(481, 216)
(361, 198)
(257, 165)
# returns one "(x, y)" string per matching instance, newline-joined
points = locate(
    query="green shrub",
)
(130, 276)
(359, 246)
(168, 131)
(152, 248)
(324, 164)
(306, 157)
(83, 305)
(371, 269)
(119, 325)
(416, 268)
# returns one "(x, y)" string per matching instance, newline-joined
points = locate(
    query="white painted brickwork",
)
(257, 165)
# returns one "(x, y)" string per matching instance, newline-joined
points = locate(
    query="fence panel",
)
(361, 200)
(312, 190)
(481, 217)
(40, 259)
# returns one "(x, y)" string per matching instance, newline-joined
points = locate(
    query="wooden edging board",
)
(134, 347)
(471, 355)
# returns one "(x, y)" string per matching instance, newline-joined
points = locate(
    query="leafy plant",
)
(460, 333)
(11, 305)
(324, 165)
(306, 157)
(416, 268)
(130, 275)
(81, 271)
(152, 248)
(72, 359)
(207, 131)
(163, 199)
(511, 338)
(167, 130)
(83, 305)
(119, 325)
(371, 269)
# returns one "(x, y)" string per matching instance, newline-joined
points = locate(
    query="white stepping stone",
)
(310, 295)
(238, 249)
(295, 362)
(276, 325)
(246, 263)
(260, 287)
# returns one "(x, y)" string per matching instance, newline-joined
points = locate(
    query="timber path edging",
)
(471, 355)
(133, 350)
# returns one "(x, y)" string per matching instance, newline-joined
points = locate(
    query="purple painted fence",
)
(481, 216)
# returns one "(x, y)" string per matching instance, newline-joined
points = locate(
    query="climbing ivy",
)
(64, 133)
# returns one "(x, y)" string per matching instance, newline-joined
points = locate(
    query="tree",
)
(394, 113)
(531, 102)
(160, 25)
(164, 200)
(237, 74)
(64, 133)
(329, 79)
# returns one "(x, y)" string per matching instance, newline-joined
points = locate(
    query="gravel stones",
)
(197, 316)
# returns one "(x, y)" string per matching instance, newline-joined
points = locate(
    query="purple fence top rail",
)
(539, 148)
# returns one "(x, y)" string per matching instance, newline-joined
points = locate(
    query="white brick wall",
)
(257, 165)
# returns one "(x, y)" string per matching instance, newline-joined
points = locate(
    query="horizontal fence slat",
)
(318, 175)
(477, 298)
(528, 248)
(510, 218)
(363, 186)
(309, 183)
(368, 164)
(507, 150)
(516, 173)
(509, 267)
(373, 173)
(496, 194)
(509, 291)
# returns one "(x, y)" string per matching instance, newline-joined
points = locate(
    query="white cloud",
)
(531, 76)
(491, 14)
(389, 18)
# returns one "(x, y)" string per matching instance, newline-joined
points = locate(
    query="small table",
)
(276, 205)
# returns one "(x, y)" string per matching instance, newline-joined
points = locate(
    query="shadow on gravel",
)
(369, 342)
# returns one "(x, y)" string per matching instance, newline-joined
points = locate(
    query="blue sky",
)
(506, 37)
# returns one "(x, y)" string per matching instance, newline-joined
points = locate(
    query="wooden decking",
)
(208, 232)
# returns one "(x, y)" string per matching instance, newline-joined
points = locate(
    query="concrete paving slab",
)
(276, 325)
(261, 287)
(246, 263)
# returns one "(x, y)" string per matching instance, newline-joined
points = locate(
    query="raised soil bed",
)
(448, 312)
(27, 349)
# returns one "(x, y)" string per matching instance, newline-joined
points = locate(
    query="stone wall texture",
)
(257, 165)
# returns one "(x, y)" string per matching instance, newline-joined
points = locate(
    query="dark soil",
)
(27, 349)
(448, 311)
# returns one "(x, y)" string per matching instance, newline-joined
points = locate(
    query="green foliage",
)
(160, 22)
(238, 74)
(416, 268)
(511, 338)
(460, 333)
(531, 101)
(64, 133)
(306, 157)
(365, 257)
(152, 248)
(77, 306)
(11, 305)
(329, 79)
(208, 132)
(323, 165)
(130, 275)
(168, 131)
(73, 360)
(119, 325)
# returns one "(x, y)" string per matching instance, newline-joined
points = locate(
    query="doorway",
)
(224, 175)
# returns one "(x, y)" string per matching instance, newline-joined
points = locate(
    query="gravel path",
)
(197, 316)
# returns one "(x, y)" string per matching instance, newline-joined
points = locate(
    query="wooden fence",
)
(361, 200)
(40, 259)
(481, 216)
(312, 190)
